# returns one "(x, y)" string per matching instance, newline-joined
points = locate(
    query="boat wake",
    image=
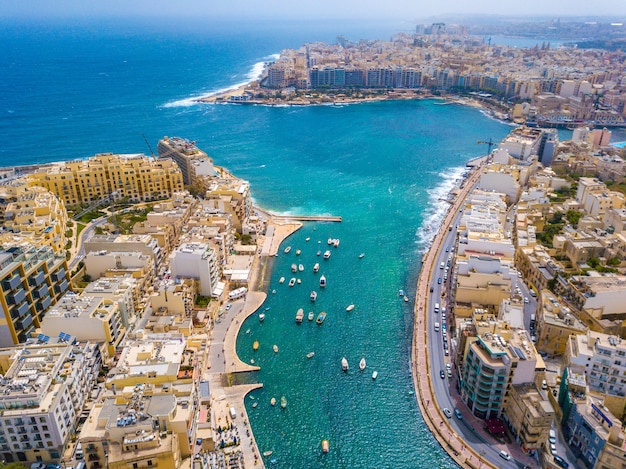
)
(254, 74)
(436, 211)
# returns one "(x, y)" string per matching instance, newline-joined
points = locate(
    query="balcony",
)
(37, 279)
(16, 297)
(20, 310)
(11, 283)
(41, 291)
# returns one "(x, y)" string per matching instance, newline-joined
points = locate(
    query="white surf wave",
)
(438, 206)
(254, 74)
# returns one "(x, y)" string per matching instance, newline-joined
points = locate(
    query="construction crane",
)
(491, 144)
(149, 147)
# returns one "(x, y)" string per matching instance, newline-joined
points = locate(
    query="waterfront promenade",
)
(438, 424)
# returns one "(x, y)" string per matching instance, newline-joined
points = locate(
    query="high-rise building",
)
(192, 161)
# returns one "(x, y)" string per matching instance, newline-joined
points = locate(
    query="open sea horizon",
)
(74, 90)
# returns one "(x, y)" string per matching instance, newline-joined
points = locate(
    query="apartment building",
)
(106, 176)
(555, 324)
(31, 280)
(231, 196)
(93, 318)
(522, 143)
(199, 262)
(44, 387)
(122, 290)
(35, 216)
(144, 244)
(139, 266)
(600, 296)
(193, 162)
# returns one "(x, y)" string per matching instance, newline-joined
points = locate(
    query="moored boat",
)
(362, 255)
(294, 268)
(325, 446)
(267, 453)
(261, 317)
(287, 249)
(282, 280)
(362, 364)
(316, 267)
(300, 267)
(319, 253)
(310, 354)
(298, 252)
(255, 404)
(336, 242)
(310, 315)
(255, 345)
(406, 299)
(326, 254)
(313, 295)
(299, 315)
(330, 241)
(283, 401)
(275, 348)
(344, 364)
(308, 239)
(350, 308)
(400, 292)
(322, 281)
(273, 401)
(292, 282)
(321, 317)
(299, 281)
(375, 375)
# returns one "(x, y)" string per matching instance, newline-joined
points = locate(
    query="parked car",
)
(505, 455)
(447, 412)
(458, 414)
(560, 461)
(552, 436)
(442, 374)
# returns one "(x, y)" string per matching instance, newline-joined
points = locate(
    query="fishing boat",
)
(322, 281)
(310, 315)
(336, 242)
(273, 401)
(283, 401)
(326, 254)
(310, 355)
(362, 255)
(255, 345)
(275, 348)
(344, 364)
(261, 317)
(313, 295)
(375, 375)
(294, 268)
(316, 267)
(299, 315)
(292, 282)
(350, 308)
(300, 267)
(282, 280)
(320, 318)
(325, 446)
(362, 364)
(287, 249)
(298, 252)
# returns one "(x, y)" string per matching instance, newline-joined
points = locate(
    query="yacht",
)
(344, 364)
(313, 295)
(310, 354)
(316, 267)
(300, 267)
(362, 255)
(375, 375)
(282, 280)
(287, 249)
(292, 282)
(322, 281)
(362, 364)
(299, 315)
(310, 317)
(336, 242)
(350, 308)
(275, 348)
(326, 254)
(261, 317)
(294, 268)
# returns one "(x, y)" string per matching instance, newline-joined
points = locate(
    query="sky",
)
(317, 9)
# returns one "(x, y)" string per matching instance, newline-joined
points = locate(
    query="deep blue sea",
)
(72, 90)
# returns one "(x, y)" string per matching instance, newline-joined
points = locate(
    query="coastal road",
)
(444, 389)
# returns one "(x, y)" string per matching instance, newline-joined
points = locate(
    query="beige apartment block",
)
(601, 295)
(231, 196)
(103, 177)
(555, 323)
(192, 161)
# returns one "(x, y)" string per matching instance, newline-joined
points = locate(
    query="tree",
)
(573, 216)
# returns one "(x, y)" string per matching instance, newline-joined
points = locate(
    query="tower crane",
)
(489, 142)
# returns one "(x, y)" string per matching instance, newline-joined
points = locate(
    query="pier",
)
(329, 218)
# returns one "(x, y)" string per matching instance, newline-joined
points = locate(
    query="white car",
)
(448, 412)
(552, 448)
(526, 299)
(552, 436)
(505, 455)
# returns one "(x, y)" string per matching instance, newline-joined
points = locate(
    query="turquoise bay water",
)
(73, 91)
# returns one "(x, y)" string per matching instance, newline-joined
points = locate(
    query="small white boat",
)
(344, 364)
(336, 242)
(319, 253)
(326, 254)
(267, 453)
(275, 348)
(273, 401)
(283, 401)
(400, 292)
(261, 317)
(362, 255)
(255, 404)
(282, 280)
(287, 249)
(294, 268)
(308, 239)
(310, 317)
(300, 267)
(350, 308)
(316, 267)
(313, 295)
(299, 315)
(406, 299)
(292, 282)
(298, 252)
(322, 281)
(310, 354)
(330, 241)
(325, 446)
(375, 375)
(273, 292)
(362, 364)
(299, 281)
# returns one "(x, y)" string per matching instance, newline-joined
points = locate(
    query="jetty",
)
(329, 218)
